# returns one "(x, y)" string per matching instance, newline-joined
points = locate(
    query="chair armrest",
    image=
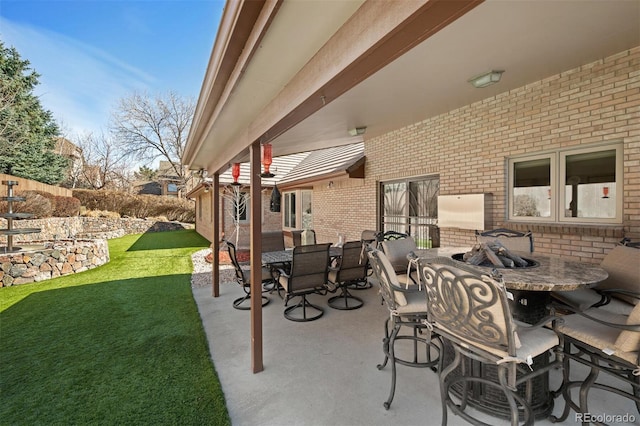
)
(608, 292)
(280, 272)
(410, 289)
(625, 326)
(553, 319)
(589, 315)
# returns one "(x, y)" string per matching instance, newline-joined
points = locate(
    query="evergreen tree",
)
(27, 131)
(146, 173)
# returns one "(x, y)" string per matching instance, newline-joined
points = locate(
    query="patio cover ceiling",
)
(301, 74)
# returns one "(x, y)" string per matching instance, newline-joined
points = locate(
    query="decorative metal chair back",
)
(391, 235)
(351, 268)
(627, 242)
(309, 267)
(467, 305)
(272, 241)
(512, 240)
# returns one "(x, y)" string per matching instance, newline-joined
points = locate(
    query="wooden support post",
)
(215, 244)
(256, 259)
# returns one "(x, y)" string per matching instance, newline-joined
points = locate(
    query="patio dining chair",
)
(366, 237)
(605, 342)
(273, 241)
(350, 269)
(512, 240)
(621, 264)
(308, 275)
(298, 240)
(399, 251)
(242, 277)
(407, 310)
(471, 313)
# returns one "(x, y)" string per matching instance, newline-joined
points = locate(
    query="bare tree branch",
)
(104, 165)
(148, 129)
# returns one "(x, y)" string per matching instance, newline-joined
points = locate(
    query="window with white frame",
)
(297, 212)
(580, 185)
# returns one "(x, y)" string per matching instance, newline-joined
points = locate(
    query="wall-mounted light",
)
(235, 173)
(267, 159)
(330, 184)
(486, 79)
(357, 131)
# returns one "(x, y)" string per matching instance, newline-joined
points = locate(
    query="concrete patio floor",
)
(324, 372)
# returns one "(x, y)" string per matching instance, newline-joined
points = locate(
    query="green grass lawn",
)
(119, 344)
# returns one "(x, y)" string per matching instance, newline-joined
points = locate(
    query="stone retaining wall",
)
(67, 245)
(87, 227)
(55, 259)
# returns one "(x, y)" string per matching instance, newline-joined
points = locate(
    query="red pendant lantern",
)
(605, 192)
(235, 172)
(267, 159)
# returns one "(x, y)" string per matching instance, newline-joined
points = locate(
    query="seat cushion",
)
(531, 343)
(580, 299)
(621, 264)
(397, 251)
(597, 335)
(416, 303)
(629, 341)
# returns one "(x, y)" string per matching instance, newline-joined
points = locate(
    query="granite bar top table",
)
(531, 289)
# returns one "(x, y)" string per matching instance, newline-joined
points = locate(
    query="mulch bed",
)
(242, 255)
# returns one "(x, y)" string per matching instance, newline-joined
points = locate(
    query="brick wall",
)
(598, 102)
(345, 208)
(204, 225)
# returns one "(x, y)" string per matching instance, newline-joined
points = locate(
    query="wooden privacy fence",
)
(32, 185)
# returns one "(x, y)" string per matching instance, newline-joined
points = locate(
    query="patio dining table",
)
(531, 288)
(270, 258)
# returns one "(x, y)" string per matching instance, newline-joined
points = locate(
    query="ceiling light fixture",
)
(486, 79)
(357, 131)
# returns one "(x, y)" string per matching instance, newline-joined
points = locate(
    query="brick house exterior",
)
(467, 147)
(204, 217)
(401, 71)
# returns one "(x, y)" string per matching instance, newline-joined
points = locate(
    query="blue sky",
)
(91, 53)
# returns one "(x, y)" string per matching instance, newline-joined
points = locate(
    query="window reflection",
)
(590, 186)
(532, 188)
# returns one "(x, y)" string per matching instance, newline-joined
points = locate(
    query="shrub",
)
(139, 206)
(35, 203)
(66, 206)
(100, 213)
